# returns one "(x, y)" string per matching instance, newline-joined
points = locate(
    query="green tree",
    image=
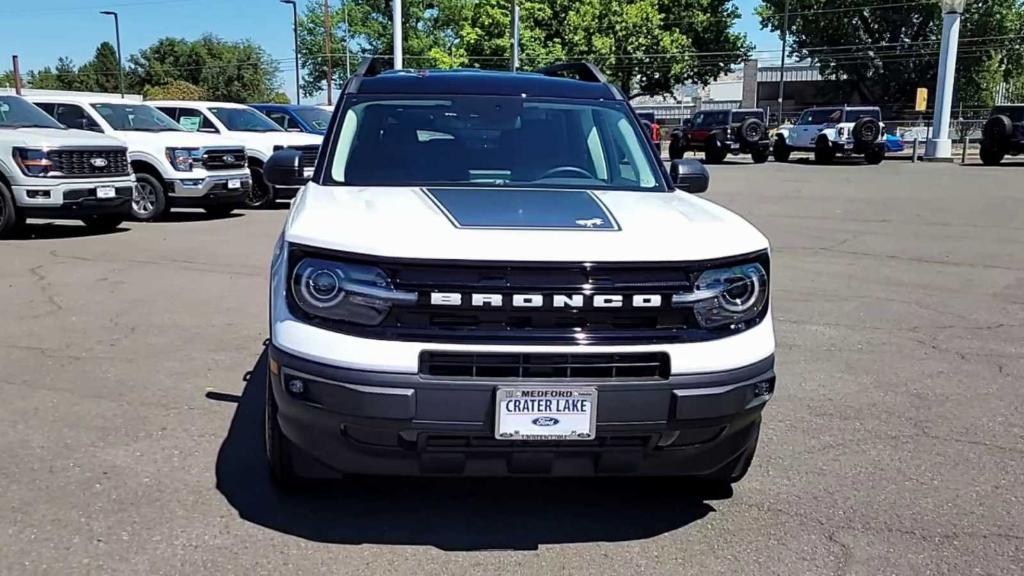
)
(62, 77)
(232, 71)
(175, 90)
(644, 45)
(884, 54)
(7, 79)
(100, 73)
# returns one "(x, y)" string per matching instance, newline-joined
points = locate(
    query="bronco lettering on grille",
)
(549, 301)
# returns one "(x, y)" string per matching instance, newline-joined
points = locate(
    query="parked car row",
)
(103, 160)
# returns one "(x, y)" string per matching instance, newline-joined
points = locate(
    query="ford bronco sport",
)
(49, 171)
(834, 131)
(1003, 134)
(492, 273)
(722, 132)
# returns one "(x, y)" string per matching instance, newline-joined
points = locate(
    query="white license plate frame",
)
(235, 184)
(106, 192)
(545, 421)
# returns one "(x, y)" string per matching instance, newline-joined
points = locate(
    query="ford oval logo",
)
(99, 162)
(545, 421)
(229, 159)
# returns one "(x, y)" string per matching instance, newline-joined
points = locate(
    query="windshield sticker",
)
(522, 209)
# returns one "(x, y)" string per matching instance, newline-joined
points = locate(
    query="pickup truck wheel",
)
(260, 195)
(103, 223)
(10, 220)
(780, 150)
(149, 201)
(759, 155)
(279, 447)
(823, 152)
(991, 155)
(874, 155)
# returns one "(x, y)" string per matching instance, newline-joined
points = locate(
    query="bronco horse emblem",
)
(591, 223)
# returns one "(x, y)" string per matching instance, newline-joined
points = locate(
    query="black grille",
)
(309, 154)
(77, 162)
(224, 159)
(463, 443)
(652, 366)
(629, 324)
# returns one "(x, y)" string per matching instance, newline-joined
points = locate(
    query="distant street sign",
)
(922, 100)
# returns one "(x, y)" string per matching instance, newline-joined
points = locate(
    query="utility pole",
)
(295, 35)
(515, 35)
(327, 50)
(17, 75)
(348, 44)
(940, 147)
(396, 25)
(117, 34)
(782, 61)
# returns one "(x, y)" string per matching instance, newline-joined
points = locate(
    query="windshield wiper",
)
(28, 125)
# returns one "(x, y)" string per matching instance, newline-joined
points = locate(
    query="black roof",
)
(481, 82)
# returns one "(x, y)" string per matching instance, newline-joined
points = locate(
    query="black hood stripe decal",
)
(523, 209)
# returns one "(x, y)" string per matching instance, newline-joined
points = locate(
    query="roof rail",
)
(584, 71)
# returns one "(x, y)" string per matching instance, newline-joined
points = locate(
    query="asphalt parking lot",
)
(132, 439)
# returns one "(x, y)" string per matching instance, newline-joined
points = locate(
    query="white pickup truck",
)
(261, 136)
(49, 171)
(174, 167)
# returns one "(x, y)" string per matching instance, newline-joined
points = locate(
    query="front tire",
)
(260, 194)
(781, 151)
(149, 200)
(823, 152)
(714, 152)
(990, 155)
(874, 155)
(103, 223)
(759, 155)
(280, 449)
(10, 219)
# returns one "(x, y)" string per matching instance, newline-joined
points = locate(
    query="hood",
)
(176, 139)
(417, 223)
(52, 138)
(264, 142)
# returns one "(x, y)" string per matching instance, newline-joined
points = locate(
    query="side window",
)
(48, 108)
(194, 120)
(281, 119)
(698, 119)
(73, 116)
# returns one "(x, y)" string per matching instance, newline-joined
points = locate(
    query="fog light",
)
(764, 388)
(296, 387)
(38, 194)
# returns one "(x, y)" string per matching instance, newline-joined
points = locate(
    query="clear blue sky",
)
(40, 31)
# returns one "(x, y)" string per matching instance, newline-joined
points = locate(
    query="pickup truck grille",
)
(82, 162)
(645, 316)
(309, 154)
(596, 366)
(224, 159)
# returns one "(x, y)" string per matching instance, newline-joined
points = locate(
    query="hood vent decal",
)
(522, 209)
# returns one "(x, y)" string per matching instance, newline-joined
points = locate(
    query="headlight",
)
(33, 162)
(181, 158)
(344, 291)
(727, 296)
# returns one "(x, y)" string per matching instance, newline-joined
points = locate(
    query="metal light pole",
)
(348, 43)
(295, 34)
(782, 61)
(940, 147)
(515, 35)
(117, 33)
(396, 25)
(327, 50)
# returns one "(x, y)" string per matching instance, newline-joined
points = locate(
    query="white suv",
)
(493, 273)
(833, 131)
(49, 171)
(174, 168)
(261, 136)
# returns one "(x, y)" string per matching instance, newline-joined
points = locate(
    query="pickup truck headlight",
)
(727, 296)
(33, 162)
(345, 291)
(181, 158)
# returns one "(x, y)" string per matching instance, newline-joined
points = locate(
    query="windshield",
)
(16, 112)
(245, 120)
(490, 140)
(823, 116)
(316, 118)
(136, 118)
(1015, 113)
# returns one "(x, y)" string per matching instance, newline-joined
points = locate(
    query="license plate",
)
(234, 184)
(524, 413)
(106, 192)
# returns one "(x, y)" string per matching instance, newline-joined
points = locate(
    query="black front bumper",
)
(360, 422)
(82, 203)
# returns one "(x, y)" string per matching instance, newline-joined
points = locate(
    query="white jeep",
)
(833, 131)
(174, 168)
(48, 171)
(261, 136)
(494, 273)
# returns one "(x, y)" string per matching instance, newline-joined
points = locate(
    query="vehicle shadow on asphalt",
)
(61, 231)
(449, 514)
(195, 216)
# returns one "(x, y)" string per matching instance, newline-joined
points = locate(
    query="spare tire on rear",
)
(998, 129)
(751, 131)
(866, 131)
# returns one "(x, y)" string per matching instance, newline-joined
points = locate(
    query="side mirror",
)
(690, 176)
(284, 169)
(687, 123)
